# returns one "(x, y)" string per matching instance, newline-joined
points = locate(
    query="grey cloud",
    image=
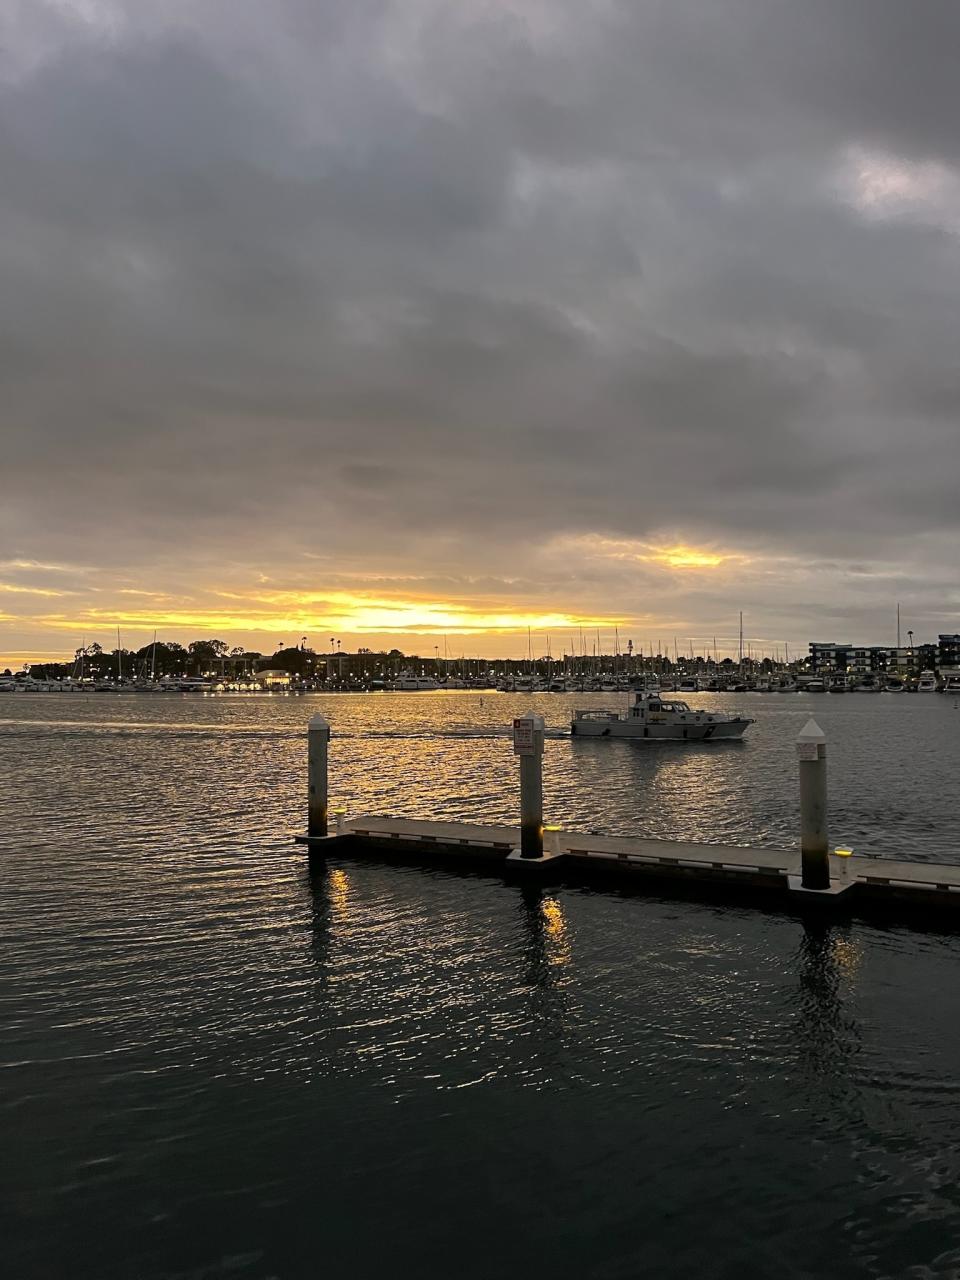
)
(581, 269)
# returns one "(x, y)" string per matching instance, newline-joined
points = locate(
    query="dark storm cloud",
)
(412, 279)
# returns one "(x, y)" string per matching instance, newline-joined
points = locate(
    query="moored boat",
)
(407, 682)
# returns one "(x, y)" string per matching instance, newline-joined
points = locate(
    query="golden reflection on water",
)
(556, 938)
(847, 954)
(338, 891)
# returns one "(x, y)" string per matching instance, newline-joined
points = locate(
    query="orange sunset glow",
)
(572, 586)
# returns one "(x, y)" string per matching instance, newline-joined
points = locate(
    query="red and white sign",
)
(523, 740)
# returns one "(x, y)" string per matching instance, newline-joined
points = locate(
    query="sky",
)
(417, 324)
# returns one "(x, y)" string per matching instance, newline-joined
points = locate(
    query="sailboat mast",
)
(119, 659)
(153, 658)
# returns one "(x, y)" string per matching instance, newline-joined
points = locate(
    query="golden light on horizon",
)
(354, 612)
(567, 589)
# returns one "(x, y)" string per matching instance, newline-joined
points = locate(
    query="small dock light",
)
(844, 867)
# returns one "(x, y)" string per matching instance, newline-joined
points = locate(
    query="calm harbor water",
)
(215, 1065)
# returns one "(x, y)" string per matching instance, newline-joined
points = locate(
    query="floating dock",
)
(807, 876)
(709, 869)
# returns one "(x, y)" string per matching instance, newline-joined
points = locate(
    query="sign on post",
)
(523, 740)
(807, 751)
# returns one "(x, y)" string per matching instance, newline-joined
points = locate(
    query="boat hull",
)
(718, 730)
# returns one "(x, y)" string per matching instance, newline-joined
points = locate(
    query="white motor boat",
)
(951, 683)
(407, 682)
(927, 682)
(658, 719)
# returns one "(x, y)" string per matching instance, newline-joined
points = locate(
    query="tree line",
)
(170, 660)
(163, 659)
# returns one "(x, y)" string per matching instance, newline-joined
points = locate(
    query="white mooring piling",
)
(528, 745)
(318, 736)
(814, 848)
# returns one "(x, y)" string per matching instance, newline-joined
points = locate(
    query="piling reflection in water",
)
(547, 953)
(828, 1037)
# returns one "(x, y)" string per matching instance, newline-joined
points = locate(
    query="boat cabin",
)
(657, 710)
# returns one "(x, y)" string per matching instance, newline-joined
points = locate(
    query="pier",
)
(807, 876)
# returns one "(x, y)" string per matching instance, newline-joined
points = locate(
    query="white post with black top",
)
(318, 738)
(528, 745)
(814, 848)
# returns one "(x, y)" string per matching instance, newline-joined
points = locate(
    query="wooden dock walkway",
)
(712, 867)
